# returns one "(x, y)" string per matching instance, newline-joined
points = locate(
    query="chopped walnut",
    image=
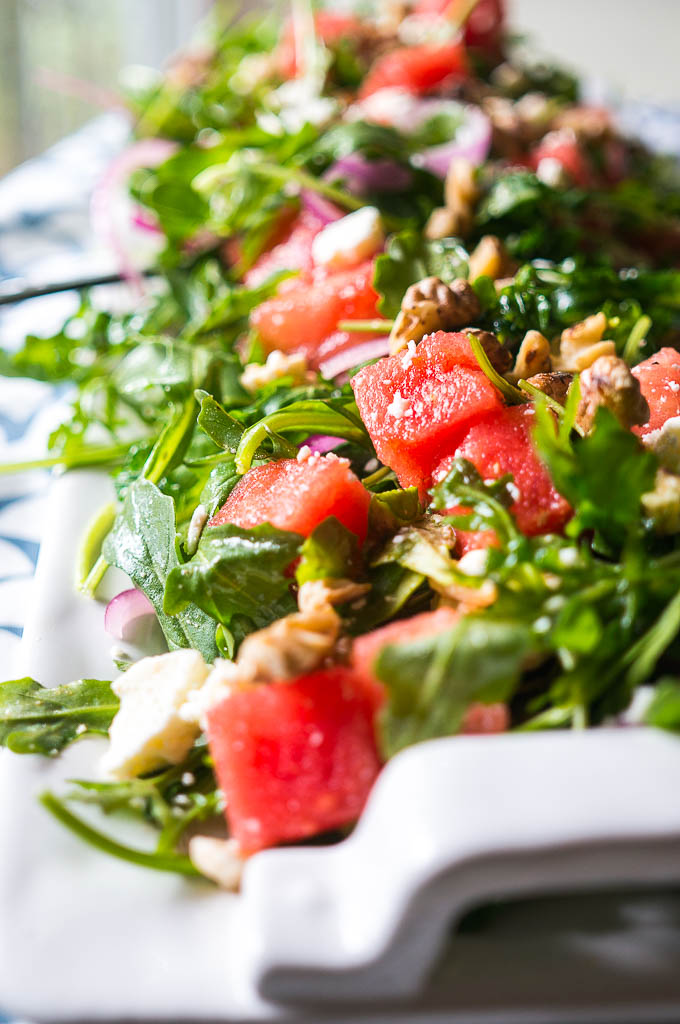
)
(291, 646)
(533, 357)
(555, 385)
(460, 185)
(316, 594)
(444, 222)
(278, 365)
(582, 344)
(430, 305)
(498, 356)
(662, 505)
(489, 258)
(609, 383)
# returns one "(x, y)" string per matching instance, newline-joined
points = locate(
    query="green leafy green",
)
(36, 719)
(409, 258)
(432, 681)
(143, 544)
(664, 710)
(330, 552)
(237, 577)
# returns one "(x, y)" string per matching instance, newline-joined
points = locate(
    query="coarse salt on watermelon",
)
(306, 310)
(417, 405)
(298, 496)
(294, 758)
(501, 443)
(659, 379)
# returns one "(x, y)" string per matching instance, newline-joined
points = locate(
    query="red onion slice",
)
(351, 357)
(472, 142)
(321, 207)
(125, 613)
(322, 443)
(362, 176)
(114, 215)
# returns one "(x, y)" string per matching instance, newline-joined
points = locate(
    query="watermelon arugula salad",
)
(394, 427)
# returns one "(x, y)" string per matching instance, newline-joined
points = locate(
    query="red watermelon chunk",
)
(291, 248)
(501, 443)
(478, 717)
(294, 758)
(565, 150)
(297, 496)
(417, 405)
(483, 28)
(659, 378)
(418, 69)
(306, 310)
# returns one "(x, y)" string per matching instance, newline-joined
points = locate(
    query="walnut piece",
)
(533, 357)
(431, 305)
(583, 343)
(662, 505)
(555, 385)
(498, 356)
(489, 258)
(444, 222)
(609, 383)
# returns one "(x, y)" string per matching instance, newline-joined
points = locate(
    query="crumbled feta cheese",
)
(550, 171)
(188, 779)
(218, 860)
(391, 106)
(278, 365)
(408, 355)
(350, 240)
(148, 732)
(218, 685)
(473, 563)
(674, 386)
(399, 406)
(298, 103)
(543, 624)
(665, 444)
(371, 465)
(198, 521)
(304, 453)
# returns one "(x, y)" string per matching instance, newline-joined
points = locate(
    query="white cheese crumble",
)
(550, 171)
(474, 563)
(147, 732)
(665, 444)
(218, 860)
(277, 365)
(399, 406)
(350, 240)
(218, 685)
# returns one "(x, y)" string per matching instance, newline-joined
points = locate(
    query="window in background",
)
(48, 47)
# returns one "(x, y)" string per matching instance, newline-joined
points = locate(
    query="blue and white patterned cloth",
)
(45, 236)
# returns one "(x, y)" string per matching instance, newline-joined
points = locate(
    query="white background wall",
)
(632, 44)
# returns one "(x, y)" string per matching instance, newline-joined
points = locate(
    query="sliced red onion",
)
(323, 443)
(472, 142)
(113, 213)
(125, 612)
(362, 176)
(321, 207)
(351, 357)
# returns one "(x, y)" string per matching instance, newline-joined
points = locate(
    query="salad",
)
(394, 426)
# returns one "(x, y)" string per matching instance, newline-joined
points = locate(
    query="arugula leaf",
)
(330, 552)
(489, 501)
(409, 258)
(607, 502)
(236, 574)
(37, 719)
(143, 544)
(431, 681)
(664, 711)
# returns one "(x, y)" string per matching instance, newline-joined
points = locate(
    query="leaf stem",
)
(86, 456)
(159, 861)
(366, 326)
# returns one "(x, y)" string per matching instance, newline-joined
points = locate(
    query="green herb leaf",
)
(37, 719)
(410, 258)
(236, 574)
(664, 711)
(330, 552)
(143, 544)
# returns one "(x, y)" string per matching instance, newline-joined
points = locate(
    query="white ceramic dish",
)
(351, 932)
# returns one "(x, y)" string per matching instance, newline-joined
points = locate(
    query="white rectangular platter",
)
(351, 933)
